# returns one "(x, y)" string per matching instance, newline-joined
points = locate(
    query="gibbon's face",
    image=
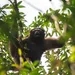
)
(37, 33)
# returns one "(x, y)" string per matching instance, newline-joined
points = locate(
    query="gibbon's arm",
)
(51, 43)
(14, 50)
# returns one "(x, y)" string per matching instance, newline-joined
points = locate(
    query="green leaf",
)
(35, 72)
(19, 2)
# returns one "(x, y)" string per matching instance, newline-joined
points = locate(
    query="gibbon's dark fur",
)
(34, 46)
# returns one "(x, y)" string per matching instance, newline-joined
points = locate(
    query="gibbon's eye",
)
(36, 33)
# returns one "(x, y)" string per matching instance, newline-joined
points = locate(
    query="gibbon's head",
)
(37, 34)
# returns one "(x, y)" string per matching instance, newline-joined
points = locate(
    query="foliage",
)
(59, 22)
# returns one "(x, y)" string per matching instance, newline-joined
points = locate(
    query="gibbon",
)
(33, 46)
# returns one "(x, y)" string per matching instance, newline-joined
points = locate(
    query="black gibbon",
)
(34, 46)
